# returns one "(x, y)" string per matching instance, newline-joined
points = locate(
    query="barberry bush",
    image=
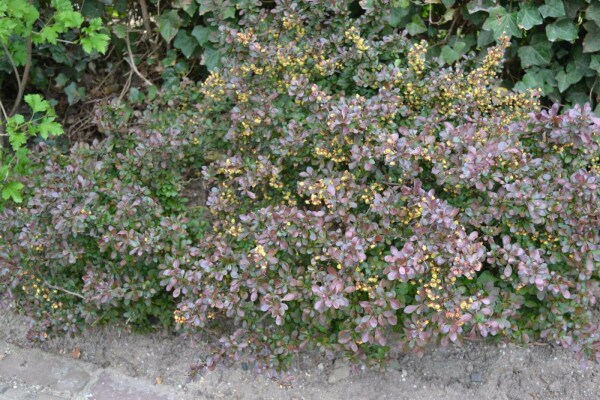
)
(367, 199)
(98, 219)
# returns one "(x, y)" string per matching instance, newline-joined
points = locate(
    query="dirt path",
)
(114, 364)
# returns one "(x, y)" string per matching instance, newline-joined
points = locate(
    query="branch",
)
(145, 16)
(63, 290)
(24, 78)
(132, 63)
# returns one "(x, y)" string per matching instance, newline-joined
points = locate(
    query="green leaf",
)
(169, 24)
(528, 16)
(568, 77)
(13, 190)
(397, 15)
(18, 50)
(185, 43)
(37, 103)
(501, 22)
(49, 127)
(212, 59)
(17, 140)
(552, 8)
(480, 5)
(92, 8)
(593, 13)
(201, 33)
(538, 54)
(229, 12)
(451, 54)
(69, 19)
(591, 42)
(120, 31)
(595, 63)
(48, 34)
(95, 41)
(562, 29)
(74, 93)
(416, 26)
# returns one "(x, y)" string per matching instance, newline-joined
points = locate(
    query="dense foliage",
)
(362, 195)
(98, 221)
(555, 44)
(22, 29)
(370, 199)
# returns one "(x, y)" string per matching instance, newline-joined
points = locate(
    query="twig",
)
(14, 66)
(24, 78)
(145, 16)
(4, 114)
(132, 63)
(63, 290)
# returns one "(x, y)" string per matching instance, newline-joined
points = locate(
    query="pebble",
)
(476, 377)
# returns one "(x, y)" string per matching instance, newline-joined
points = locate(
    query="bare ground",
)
(475, 371)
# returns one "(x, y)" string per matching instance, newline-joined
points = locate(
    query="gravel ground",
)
(475, 371)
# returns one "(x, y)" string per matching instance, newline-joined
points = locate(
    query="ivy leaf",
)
(212, 58)
(480, 5)
(538, 54)
(595, 63)
(398, 14)
(120, 31)
(229, 12)
(452, 54)
(593, 13)
(74, 93)
(201, 33)
(37, 103)
(169, 24)
(568, 78)
(416, 26)
(552, 8)
(185, 43)
(501, 22)
(13, 190)
(528, 16)
(562, 29)
(591, 42)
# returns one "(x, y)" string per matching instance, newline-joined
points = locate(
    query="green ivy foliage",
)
(555, 44)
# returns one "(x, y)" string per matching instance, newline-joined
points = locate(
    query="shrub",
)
(555, 45)
(370, 199)
(98, 220)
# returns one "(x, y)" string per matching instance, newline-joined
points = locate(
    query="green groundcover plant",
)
(369, 199)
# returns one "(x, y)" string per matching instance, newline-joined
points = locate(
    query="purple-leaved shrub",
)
(369, 199)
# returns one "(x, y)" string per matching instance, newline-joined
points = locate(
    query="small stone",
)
(555, 387)
(476, 377)
(395, 365)
(245, 366)
(320, 367)
(404, 373)
(341, 371)
(470, 368)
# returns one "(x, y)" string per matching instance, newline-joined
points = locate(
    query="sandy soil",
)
(476, 371)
